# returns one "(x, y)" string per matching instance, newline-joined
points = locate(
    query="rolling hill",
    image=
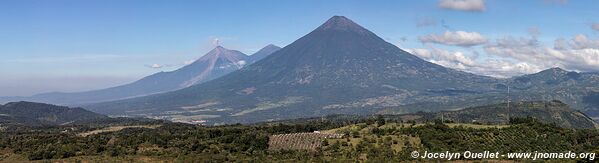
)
(544, 111)
(38, 114)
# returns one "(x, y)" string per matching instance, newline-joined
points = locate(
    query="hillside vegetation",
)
(38, 114)
(554, 112)
(373, 139)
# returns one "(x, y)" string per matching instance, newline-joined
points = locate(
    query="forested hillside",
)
(38, 114)
(373, 139)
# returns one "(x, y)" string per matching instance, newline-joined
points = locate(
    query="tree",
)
(380, 120)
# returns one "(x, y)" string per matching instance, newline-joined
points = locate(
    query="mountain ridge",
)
(337, 63)
(217, 62)
(265, 51)
(342, 68)
(39, 114)
(546, 111)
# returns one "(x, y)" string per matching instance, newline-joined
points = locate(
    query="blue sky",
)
(72, 45)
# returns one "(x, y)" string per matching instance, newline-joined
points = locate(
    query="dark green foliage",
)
(185, 143)
(380, 120)
(169, 140)
(544, 111)
(519, 120)
(38, 114)
(527, 135)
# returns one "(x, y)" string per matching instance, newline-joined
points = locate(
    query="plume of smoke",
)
(216, 42)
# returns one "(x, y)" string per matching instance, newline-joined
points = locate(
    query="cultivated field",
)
(354, 136)
(299, 141)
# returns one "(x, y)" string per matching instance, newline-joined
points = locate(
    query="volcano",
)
(340, 67)
(262, 53)
(216, 63)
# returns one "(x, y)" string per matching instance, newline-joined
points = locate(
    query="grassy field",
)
(397, 142)
(363, 133)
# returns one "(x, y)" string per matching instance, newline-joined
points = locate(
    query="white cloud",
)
(444, 57)
(422, 53)
(458, 60)
(241, 63)
(579, 53)
(503, 68)
(458, 38)
(463, 5)
(522, 49)
(158, 66)
(455, 57)
(188, 62)
(582, 42)
(155, 65)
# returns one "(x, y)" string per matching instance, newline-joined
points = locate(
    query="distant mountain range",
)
(216, 63)
(38, 114)
(544, 111)
(549, 112)
(342, 68)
